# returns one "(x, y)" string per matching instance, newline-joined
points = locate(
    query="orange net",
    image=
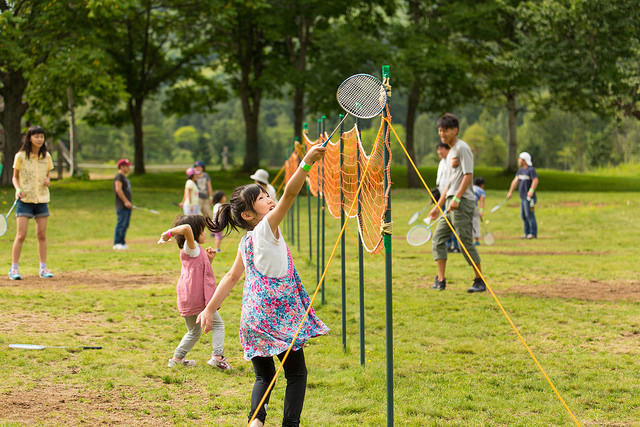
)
(325, 179)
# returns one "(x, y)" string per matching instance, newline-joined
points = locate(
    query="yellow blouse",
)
(32, 173)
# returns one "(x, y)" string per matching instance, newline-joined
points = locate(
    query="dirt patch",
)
(591, 290)
(71, 279)
(65, 404)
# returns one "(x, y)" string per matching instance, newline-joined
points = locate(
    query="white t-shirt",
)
(269, 254)
(272, 193)
(193, 189)
(441, 177)
(462, 152)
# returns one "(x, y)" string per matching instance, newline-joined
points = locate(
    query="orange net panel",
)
(325, 178)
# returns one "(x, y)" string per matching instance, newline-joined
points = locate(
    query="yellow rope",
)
(475, 267)
(324, 273)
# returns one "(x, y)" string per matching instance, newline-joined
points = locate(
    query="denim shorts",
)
(32, 210)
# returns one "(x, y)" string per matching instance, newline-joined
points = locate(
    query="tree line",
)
(511, 69)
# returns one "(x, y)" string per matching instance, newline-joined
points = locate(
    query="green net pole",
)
(342, 245)
(306, 127)
(318, 223)
(323, 210)
(387, 264)
(360, 264)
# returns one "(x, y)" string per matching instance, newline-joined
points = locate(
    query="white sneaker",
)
(219, 363)
(184, 362)
(117, 247)
(125, 246)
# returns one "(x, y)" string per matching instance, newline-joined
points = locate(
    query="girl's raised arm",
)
(293, 187)
(205, 319)
(184, 230)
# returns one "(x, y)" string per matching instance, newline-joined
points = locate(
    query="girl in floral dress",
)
(274, 301)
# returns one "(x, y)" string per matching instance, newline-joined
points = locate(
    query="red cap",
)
(124, 162)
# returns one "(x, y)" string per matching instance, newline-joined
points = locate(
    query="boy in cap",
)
(122, 190)
(527, 181)
(262, 177)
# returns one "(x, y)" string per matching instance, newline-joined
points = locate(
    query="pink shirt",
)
(196, 284)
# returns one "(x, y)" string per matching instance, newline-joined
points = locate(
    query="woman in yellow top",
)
(31, 168)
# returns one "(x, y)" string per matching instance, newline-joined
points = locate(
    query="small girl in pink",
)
(195, 288)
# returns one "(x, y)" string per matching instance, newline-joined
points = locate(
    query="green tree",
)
(488, 149)
(42, 55)
(153, 45)
(587, 53)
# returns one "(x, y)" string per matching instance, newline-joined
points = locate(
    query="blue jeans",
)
(529, 217)
(124, 216)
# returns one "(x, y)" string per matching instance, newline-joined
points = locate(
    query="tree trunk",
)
(73, 168)
(412, 106)
(135, 110)
(11, 117)
(512, 123)
(251, 117)
(298, 112)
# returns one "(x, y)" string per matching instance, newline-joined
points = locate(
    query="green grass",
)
(457, 360)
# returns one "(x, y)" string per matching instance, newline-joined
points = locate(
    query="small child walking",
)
(274, 300)
(218, 199)
(195, 288)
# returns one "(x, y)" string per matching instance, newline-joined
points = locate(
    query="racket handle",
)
(89, 347)
(324, 144)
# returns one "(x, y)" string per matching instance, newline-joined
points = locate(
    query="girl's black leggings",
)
(295, 371)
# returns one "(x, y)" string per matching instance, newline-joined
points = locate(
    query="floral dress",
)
(272, 309)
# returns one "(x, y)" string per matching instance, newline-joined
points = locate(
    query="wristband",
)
(305, 166)
(530, 191)
(481, 209)
(18, 190)
(168, 233)
(455, 199)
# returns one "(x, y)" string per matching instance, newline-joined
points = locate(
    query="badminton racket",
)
(145, 209)
(488, 238)
(3, 219)
(416, 215)
(42, 347)
(498, 206)
(362, 96)
(420, 234)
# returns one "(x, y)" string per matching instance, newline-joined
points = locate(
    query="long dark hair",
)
(26, 143)
(230, 214)
(197, 222)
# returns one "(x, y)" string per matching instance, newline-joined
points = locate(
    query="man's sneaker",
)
(184, 362)
(125, 246)
(438, 285)
(530, 236)
(478, 286)
(117, 247)
(45, 274)
(219, 363)
(476, 243)
(14, 275)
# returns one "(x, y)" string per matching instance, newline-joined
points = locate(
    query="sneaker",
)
(218, 251)
(184, 362)
(438, 285)
(45, 274)
(530, 236)
(476, 243)
(524, 236)
(117, 247)
(14, 275)
(125, 246)
(478, 286)
(219, 363)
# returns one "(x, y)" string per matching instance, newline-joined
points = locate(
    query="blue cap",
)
(199, 163)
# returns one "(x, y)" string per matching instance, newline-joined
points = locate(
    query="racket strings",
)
(362, 96)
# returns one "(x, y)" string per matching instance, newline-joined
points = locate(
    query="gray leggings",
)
(193, 335)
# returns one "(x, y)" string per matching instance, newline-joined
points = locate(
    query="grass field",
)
(573, 293)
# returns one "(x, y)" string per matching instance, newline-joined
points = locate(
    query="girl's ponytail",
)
(224, 220)
(230, 214)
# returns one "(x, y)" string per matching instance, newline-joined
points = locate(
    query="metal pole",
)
(342, 245)
(318, 222)
(305, 127)
(323, 210)
(387, 263)
(360, 264)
